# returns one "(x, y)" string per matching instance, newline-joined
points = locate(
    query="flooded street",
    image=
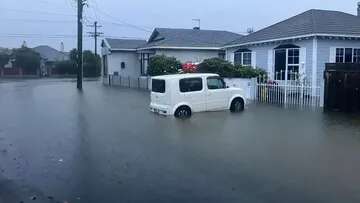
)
(103, 145)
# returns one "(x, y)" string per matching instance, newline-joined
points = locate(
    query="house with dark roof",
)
(49, 56)
(300, 45)
(131, 57)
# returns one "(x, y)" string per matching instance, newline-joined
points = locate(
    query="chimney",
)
(358, 9)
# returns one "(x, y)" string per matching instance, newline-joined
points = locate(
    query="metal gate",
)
(342, 87)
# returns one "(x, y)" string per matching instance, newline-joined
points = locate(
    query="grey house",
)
(131, 57)
(302, 44)
(49, 56)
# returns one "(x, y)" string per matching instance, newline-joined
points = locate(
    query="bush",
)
(226, 69)
(216, 65)
(92, 64)
(247, 72)
(163, 65)
(66, 68)
(4, 59)
(27, 59)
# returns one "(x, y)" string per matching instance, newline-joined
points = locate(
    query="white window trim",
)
(288, 64)
(352, 53)
(242, 58)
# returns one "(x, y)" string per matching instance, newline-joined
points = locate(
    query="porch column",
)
(314, 65)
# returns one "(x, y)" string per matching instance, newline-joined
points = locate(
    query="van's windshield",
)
(158, 86)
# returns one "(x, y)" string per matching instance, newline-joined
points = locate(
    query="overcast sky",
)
(50, 22)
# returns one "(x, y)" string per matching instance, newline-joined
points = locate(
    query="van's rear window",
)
(158, 86)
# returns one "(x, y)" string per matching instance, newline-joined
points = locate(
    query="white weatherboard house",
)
(303, 43)
(130, 57)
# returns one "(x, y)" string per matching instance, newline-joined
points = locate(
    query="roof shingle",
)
(125, 43)
(310, 22)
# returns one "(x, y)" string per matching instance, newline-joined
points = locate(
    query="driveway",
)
(103, 145)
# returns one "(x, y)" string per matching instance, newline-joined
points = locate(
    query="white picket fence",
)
(287, 93)
(290, 93)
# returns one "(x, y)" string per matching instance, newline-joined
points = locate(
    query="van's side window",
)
(158, 86)
(215, 83)
(191, 85)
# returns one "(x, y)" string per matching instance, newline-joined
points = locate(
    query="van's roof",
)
(187, 75)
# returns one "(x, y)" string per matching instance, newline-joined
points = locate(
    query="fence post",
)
(109, 80)
(147, 83)
(139, 82)
(129, 82)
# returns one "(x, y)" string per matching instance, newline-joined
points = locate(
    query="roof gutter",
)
(182, 48)
(290, 38)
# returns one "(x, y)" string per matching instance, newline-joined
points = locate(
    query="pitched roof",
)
(125, 43)
(50, 54)
(310, 22)
(169, 37)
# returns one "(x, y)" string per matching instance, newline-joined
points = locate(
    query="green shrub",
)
(66, 68)
(226, 69)
(247, 72)
(163, 65)
(216, 65)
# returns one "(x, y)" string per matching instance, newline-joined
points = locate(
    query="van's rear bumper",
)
(160, 109)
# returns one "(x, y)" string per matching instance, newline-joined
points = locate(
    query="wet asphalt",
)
(103, 145)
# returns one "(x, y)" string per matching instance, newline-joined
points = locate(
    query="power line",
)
(116, 19)
(38, 20)
(36, 12)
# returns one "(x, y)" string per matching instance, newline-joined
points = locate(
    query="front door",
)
(280, 64)
(217, 96)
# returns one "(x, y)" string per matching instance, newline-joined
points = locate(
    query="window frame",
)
(355, 54)
(290, 64)
(241, 54)
(218, 78)
(160, 91)
(191, 91)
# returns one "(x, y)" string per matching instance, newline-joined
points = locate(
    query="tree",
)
(73, 55)
(65, 68)
(162, 65)
(216, 65)
(27, 59)
(92, 64)
(4, 59)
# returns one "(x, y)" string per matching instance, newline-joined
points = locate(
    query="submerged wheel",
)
(237, 105)
(183, 112)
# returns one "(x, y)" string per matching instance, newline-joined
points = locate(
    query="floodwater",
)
(103, 145)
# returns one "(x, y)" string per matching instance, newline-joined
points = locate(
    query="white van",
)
(183, 94)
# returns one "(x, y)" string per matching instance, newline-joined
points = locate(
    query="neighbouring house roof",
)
(312, 22)
(124, 44)
(190, 38)
(50, 54)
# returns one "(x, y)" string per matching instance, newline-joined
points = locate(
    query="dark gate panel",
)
(342, 87)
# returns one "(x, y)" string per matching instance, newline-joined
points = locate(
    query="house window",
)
(144, 63)
(287, 58)
(222, 55)
(242, 57)
(339, 55)
(347, 55)
(356, 58)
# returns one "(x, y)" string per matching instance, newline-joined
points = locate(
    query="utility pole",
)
(95, 34)
(80, 5)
